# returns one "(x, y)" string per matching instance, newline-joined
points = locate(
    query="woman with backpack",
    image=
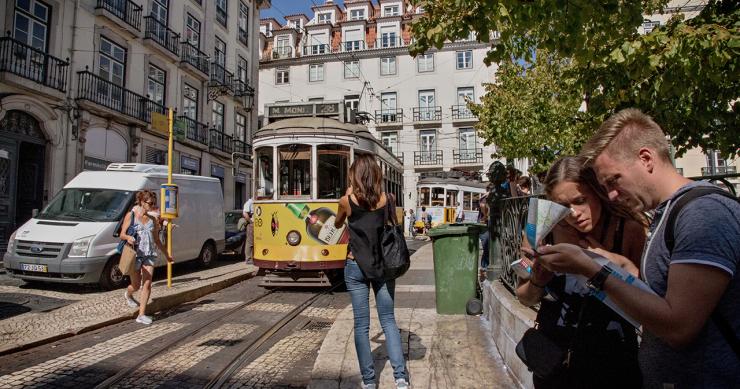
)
(364, 208)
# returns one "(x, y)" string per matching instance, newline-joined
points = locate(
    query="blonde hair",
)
(622, 136)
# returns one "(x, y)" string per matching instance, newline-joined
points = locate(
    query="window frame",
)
(195, 101)
(243, 24)
(217, 116)
(319, 75)
(222, 12)
(191, 31)
(419, 62)
(395, 66)
(162, 84)
(346, 67)
(467, 59)
(285, 79)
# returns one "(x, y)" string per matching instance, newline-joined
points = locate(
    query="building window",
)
(357, 14)
(648, 26)
(390, 10)
(323, 17)
(388, 37)
(316, 72)
(241, 128)
(241, 69)
(468, 141)
(190, 102)
(425, 63)
(156, 82)
(282, 76)
(160, 12)
(352, 102)
(388, 103)
(219, 52)
(352, 69)
(221, 8)
(465, 59)
(390, 140)
(192, 31)
(112, 65)
(428, 142)
(387, 66)
(217, 115)
(243, 22)
(32, 23)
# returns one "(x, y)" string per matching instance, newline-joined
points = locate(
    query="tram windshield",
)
(438, 197)
(264, 184)
(332, 172)
(295, 171)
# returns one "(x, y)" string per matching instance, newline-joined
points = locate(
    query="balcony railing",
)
(196, 58)
(422, 158)
(220, 141)
(462, 112)
(33, 64)
(427, 114)
(282, 52)
(100, 91)
(316, 49)
(221, 77)
(242, 147)
(711, 171)
(389, 116)
(467, 156)
(353, 45)
(126, 10)
(194, 130)
(389, 42)
(158, 32)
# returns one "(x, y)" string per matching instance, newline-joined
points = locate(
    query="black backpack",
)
(670, 241)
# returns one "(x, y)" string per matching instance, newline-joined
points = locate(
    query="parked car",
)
(236, 233)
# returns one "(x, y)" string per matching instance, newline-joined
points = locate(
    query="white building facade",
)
(80, 83)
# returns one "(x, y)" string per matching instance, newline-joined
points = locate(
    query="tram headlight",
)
(294, 238)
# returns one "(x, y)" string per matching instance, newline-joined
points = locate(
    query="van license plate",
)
(36, 268)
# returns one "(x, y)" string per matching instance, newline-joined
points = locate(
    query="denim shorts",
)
(148, 260)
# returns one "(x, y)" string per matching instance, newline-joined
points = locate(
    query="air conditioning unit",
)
(136, 167)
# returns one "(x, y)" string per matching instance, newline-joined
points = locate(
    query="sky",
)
(290, 7)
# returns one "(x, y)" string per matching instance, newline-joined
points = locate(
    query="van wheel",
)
(111, 277)
(207, 255)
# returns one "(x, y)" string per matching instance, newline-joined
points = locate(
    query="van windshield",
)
(95, 205)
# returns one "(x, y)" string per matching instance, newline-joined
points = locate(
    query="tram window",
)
(476, 201)
(451, 200)
(466, 200)
(333, 170)
(438, 197)
(264, 185)
(423, 197)
(295, 171)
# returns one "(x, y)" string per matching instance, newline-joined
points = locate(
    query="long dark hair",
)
(366, 179)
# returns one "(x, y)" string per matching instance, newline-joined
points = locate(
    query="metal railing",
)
(220, 141)
(33, 64)
(242, 147)
(194, 130)
(389, 116)
(507, 219)
(316, 49)
(160, 33)
(196, 58)
(126, 10)
(282, 52)
(467, 156)
(221, 77)
(428, 157)
(353, 45)
(462, 111)
(389, 42)
(427, 114)
(100, 91)
(713, 171)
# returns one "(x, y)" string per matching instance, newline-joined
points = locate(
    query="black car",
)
(236, 233)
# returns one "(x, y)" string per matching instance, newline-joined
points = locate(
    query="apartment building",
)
(82, 80)
(359, 53)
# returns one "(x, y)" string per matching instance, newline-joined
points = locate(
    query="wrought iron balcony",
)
(194, 57)
(33, 64)
(462, 112)
(353, 45)
(316, 49)
(158, 32)
(282, 52)
(221, 77)
(427, 114)
(126, 10)
(467, 156)
(388, 116)
(194, 130)
(242, 147)
(100, 91)
(422, 158)
(712, 171)
(220, 141)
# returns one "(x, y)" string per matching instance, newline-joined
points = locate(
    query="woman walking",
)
(364, 206)
(146, 242)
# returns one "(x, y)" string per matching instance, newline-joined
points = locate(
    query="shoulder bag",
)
(395, 254)
(128, 253)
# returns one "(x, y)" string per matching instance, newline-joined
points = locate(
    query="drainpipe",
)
(70, 123)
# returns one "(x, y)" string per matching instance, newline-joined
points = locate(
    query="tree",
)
(686, 74)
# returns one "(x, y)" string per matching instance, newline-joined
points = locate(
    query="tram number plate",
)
(36, 268)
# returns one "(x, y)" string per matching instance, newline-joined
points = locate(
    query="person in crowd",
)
(412, 221)
(459, 213)
(426, 217)
(247, 213)
(511, 179)
(146, 242)
(364, 207)
(483, 216)
(691, 323)
(604, 348)
(524, 186)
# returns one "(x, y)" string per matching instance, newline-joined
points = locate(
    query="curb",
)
(156, 305)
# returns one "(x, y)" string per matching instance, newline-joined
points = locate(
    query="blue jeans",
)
(485, 239)
(359, 290)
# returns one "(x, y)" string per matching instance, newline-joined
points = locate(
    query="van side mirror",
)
(34, 212)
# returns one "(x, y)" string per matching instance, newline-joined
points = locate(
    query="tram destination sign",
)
(293, 110)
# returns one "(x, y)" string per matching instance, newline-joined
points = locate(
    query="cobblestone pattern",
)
(45, 373)
(322, 313)
(216, 306)
(271, 307)
(176, 361)
(277, 363)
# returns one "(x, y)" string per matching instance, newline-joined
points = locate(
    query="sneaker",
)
(130, 300)
(144, 319)
(402, 384)
(368, 386)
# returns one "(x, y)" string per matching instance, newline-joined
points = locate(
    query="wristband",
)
(597, 281)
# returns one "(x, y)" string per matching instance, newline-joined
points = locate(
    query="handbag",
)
(396, 259)
(128, 258)
(130, 231)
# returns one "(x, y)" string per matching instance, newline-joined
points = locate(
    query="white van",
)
(74, 238)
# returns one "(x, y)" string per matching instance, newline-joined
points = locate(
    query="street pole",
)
(170, 148)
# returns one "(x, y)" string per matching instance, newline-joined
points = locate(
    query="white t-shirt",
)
(248, 206)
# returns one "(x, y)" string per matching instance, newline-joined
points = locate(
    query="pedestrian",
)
(459, 213)
(146, 242)
(364, 207)
(524, 186)
(691, 324)
(247, 213)
(603, 344)
(426, 217)
(412, 221)
(484, 236)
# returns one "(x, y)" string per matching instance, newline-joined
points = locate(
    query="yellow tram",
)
(301, 169)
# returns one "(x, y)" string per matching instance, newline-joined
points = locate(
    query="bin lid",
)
(450, 229)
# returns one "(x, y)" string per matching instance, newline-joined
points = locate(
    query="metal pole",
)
(170, 149)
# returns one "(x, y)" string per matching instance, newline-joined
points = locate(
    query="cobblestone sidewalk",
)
(35, 328)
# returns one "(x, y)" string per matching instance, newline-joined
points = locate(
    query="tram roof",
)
(313, 125)
(428, 181)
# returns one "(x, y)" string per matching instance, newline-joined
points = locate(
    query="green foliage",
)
(686, 74)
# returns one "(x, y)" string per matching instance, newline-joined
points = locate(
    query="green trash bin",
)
(456, 248)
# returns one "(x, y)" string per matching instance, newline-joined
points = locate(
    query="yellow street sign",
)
(159, 123)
